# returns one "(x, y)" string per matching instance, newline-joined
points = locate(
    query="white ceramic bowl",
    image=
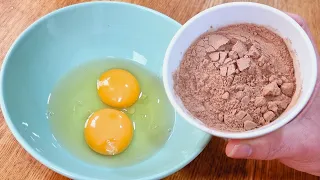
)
(244, 12)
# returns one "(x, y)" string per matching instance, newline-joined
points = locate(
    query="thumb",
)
(283, 143)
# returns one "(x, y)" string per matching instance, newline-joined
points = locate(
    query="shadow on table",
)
(212, 163)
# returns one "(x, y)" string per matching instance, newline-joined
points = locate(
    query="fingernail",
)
(240, 151)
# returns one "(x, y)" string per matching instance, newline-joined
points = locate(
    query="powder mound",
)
(237, 78)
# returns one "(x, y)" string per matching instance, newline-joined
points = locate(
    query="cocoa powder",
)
(237, 78)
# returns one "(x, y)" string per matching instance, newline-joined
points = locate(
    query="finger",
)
(284, 143)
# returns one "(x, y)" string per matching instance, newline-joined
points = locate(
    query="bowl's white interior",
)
(233, 13)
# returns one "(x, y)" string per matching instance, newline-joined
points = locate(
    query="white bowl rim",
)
(35, 154)
(246, 134)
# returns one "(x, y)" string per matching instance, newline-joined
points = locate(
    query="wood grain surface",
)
(17, 164)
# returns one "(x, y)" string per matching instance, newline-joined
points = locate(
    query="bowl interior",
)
(232, 13)
(71, 36)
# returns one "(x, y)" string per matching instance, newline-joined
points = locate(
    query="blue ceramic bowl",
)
(58, 42)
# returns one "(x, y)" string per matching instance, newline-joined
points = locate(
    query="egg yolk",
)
(118, 88)
(108, 131)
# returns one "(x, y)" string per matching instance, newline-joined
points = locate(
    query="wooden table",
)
(16, 15)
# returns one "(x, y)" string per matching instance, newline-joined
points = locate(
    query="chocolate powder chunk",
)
(287, 88)
(214, 56)
(243, 63)
(237, 78)
(233, 55)
(248, 125)
(271, 89)
(240, 48)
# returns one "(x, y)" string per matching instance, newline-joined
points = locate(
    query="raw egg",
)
(108, 131)
(118, 88)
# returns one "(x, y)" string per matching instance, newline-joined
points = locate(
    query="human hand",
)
(297, 144)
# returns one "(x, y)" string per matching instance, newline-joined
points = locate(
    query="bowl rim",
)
(40, 158)
(246, 134)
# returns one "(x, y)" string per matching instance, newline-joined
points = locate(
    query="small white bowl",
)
(244, 12)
